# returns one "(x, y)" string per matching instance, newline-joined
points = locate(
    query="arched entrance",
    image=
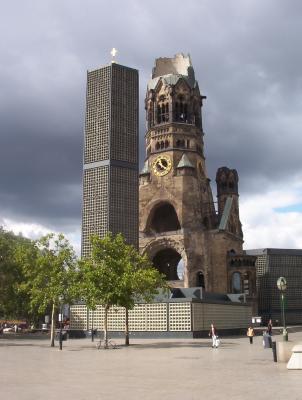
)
(169, 262)
(164, 219)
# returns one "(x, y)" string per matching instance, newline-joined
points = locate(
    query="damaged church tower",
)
(180, 230)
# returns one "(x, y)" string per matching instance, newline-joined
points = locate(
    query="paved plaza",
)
(149, 369)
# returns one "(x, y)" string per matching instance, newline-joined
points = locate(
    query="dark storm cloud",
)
(246, 57)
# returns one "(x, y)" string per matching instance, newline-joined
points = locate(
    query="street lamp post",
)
(282, 285)
(61, 321)
(92, 329)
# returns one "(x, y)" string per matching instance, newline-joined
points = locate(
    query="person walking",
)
(250, 334)
(213, 334)
(270, 327)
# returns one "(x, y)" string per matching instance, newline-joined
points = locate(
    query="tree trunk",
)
(105, 327)
(127, 327)
(52, 327)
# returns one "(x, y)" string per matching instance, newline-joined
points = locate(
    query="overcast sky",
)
(248, 61)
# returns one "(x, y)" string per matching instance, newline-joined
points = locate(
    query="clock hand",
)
(161, 164)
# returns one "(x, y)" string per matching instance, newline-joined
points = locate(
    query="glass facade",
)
(271, 264)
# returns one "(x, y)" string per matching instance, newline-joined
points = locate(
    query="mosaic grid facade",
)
(270, 265)
(110, 177)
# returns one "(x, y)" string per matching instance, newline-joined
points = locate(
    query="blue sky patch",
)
(291, 208)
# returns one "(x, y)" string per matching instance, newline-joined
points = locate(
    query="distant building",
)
(270, 265)
(110, 176)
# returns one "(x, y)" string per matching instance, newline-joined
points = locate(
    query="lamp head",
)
(281, 283)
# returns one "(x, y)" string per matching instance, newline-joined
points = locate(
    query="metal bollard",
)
(274, 348)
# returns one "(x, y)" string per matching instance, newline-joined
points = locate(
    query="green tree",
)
(14, 303)
(116, 275)
(50, 269)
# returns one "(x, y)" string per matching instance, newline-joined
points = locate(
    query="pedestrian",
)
(270, 327)
(213, 334)
(250, 334)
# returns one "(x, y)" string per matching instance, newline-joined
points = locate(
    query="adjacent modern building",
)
(110, 176)
(271, 264)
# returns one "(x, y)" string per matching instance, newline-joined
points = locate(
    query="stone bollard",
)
(295, 361)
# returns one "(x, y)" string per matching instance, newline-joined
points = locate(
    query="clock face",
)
(162, 165)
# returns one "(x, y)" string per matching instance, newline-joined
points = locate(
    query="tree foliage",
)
(14, 303)
(49, 268)
(116, 275)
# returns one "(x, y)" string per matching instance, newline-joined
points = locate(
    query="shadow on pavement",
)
(163, 345)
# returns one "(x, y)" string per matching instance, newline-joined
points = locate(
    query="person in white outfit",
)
(213, 334)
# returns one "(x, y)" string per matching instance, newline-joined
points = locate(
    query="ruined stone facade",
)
(178, 218)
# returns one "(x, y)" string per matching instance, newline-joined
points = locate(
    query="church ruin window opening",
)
(180, 143)
(200, 279)
(169, 262)
(164, 219)
(162, 113)
(181, 111)
(236, 283)
(162, 145)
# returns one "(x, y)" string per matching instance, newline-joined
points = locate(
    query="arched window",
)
(157, 146)
(176, 112)
(164, 219)
(181, 111)
(200, 279)
(180, 143)
(167, 144)
(236, 282)
(162, 113)
(185, 112)
(162, 144)
(167, 112)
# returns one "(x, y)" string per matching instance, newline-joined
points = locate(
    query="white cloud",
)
(35, 231)
(264, 226)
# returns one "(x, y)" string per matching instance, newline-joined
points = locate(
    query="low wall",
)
(170, 319)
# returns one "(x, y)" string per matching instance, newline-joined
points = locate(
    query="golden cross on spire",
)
(113, 53)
